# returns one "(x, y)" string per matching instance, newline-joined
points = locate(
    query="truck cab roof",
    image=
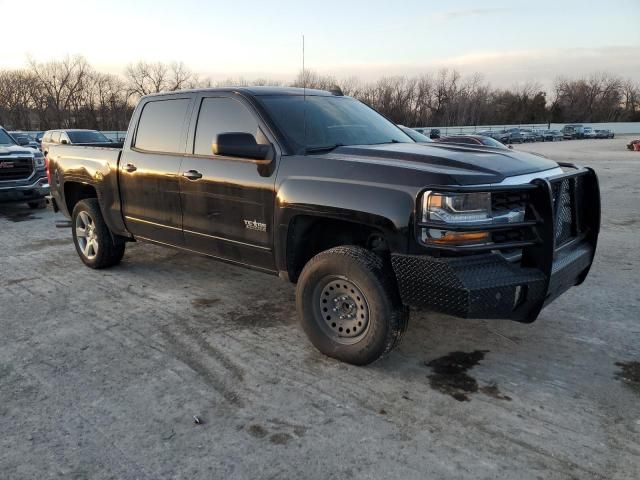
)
(253, 91)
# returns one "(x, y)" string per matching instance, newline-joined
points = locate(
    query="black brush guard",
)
(557, 242)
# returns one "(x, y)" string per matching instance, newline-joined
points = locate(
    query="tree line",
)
(70, 93)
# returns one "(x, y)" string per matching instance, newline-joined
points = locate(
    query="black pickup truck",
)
(323, 191)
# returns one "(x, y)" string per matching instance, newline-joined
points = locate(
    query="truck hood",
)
(6, 150)
(464, 165)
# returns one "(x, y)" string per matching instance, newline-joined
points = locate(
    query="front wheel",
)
(92, 238)
(348, 305)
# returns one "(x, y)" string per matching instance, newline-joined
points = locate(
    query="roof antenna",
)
(304, 99)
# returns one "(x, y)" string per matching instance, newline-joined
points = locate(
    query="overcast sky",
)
(509, 42)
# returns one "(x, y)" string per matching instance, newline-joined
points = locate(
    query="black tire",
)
(359, 271)
(109, 251)
(37, 204)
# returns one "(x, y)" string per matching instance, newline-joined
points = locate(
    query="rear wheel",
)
(348, 305)
(92, 238)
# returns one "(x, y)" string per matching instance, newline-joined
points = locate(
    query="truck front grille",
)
(565, 192)
(503, 202)
(557, 212)
(12, 168)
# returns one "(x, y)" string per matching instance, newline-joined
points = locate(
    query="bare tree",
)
(15, 98)
(145, 78)
(69, 92)
(62, 82)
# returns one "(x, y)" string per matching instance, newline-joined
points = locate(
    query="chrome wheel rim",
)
(341, 310)
(86, 235)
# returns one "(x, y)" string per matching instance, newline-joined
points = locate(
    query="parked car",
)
(25, 140)
(347, 206)
(589, 132)
(538, 135)
(75, 137)
(415, 136)
(515, 135)
(501, 136)
(552, 135)
(23, 174)
(573, 132)
(529, 135)
(473, 140)
(605, 133)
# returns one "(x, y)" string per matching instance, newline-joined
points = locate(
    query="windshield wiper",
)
(324, 149)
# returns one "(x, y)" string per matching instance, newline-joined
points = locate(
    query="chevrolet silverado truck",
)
(23, 173)
(325, 192)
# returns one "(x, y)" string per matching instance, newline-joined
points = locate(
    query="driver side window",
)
(223, 115)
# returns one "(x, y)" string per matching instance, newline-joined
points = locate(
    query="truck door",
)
(149, 170)
(227, 202)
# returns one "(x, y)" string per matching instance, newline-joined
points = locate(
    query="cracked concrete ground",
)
(101, 372)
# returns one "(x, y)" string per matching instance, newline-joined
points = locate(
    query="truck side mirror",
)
(240, 144)
(64, 142)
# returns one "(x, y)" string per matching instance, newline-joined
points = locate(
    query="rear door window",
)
(161, 125)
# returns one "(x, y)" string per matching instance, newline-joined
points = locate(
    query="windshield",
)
(5, 138)
(415, 136)
(327, 121)
(86, 136)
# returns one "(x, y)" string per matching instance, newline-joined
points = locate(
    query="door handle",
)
(192, 175)
(130, 167)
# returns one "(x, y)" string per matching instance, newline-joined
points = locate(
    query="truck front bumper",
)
(35, 189)
(556, 254)
(487, 286)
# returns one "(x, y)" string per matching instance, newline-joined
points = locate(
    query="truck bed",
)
(79, 160)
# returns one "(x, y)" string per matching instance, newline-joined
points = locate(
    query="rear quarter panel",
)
(93, 166)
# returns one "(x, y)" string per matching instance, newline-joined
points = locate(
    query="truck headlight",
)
(38, 159)
(457, 208)
(469, 210)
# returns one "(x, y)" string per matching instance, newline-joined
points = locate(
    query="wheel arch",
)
(305, 235)
(75, 191)
(324, 211)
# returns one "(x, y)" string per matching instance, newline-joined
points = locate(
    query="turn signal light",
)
(446, 237)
